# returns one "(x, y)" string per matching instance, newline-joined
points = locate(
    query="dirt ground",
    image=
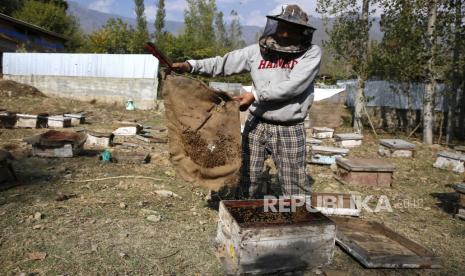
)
(123, 227)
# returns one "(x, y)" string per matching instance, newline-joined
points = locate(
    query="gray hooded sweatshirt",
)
(283, 91)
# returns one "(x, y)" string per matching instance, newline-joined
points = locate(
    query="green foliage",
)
(141, 35)
(160, 20)
(51, 15)
(235, 32)
(401, 55)
(115, 37)
(348, 38)
(9, 6)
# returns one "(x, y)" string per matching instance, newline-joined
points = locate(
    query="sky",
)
(251, 12)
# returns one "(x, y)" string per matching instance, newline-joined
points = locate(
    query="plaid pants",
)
(286, 144)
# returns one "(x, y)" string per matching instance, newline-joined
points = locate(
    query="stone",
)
(123, 205)
(154, 218)
(38, 216)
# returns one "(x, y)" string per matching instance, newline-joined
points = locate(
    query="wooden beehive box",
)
(57, 144)
(130, 157)
(58, 121)
(7, 119)
(365, 172)
(460, 190)
(313, 141)
(326, 155)
(348, 140)
(460, 148)
(6, 168)
(252, 241)
(99, 139)
(396, 148)
(127, 129)
(452, 161)
(31, 121)
(335, 204)
(322, 132)
(76, 118)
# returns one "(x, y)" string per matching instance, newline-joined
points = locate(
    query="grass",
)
(92, 235)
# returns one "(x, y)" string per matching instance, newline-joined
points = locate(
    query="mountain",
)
(92, 20)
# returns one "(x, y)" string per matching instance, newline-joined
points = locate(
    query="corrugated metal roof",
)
(81, 65)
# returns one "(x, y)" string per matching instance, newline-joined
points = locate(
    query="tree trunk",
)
(410, 112)
(359, 102)
(428, 98)
(362, 77)
(451, 123)
(462, 109)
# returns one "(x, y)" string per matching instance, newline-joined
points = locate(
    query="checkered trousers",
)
(286, 145)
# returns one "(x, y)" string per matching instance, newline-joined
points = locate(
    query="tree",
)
(428, 98)
(51, 15)
(9, 6)
(198, 38)
(235, 31)
(400, 55)
(349, 40)
(141, 34)
(456, 43)
(220, 30)
(113, 38)
(160, 20)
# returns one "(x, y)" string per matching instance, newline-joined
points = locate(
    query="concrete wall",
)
(109, 90)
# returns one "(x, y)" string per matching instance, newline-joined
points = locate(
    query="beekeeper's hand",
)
(181, 67)
(245, 100)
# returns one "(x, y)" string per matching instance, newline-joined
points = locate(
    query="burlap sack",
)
(203, 131)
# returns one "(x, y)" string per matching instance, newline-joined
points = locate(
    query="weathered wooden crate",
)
(6, 168)
(99, 139)
(127, 129)
(58, 121)
(252, 241)
(460, 190)
(365, 172)
(396, 148)
(451, 161)
(76, 118)
(31, 121)
(376, 246)
(460, 148)
(130, 157)
(334, 204)
(322, 132)
(313, 141)
(326, 155)
(348, 140)
(7, 119)
(57, 144)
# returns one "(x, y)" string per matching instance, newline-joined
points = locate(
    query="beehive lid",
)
(26, 116)
(452, 155)
(322, 129)
(460, 188)
(397, 144)
(313, 141)
(59, 118)
(54, 138)
(100, 134)
(75, 115)
(348, 136)
(329, 150)
(365, 165)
